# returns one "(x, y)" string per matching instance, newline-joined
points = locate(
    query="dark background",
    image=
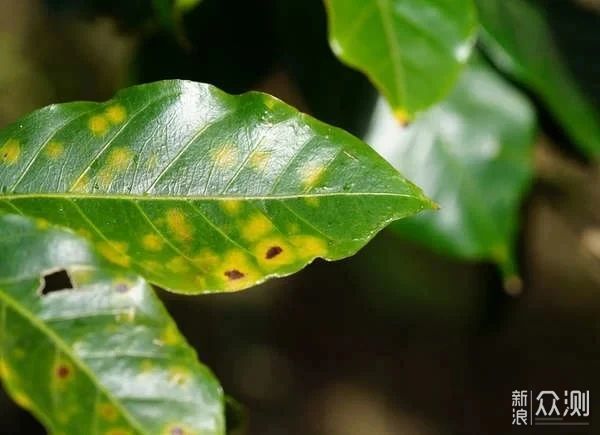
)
(395, 340)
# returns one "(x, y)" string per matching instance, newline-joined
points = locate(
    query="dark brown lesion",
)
(273, 252)
(234, 274)
(63, 371)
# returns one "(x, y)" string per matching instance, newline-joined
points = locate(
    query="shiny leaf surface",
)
(198, 190)
(517, 37)
(101, 358)
(473, 155)
(412, 50)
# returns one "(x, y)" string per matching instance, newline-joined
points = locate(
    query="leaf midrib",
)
(66, 349)
(200, 197)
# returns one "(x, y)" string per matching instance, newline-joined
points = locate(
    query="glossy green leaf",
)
(198, 190)
(102, 358)
(473, 155)
(518, 39)
(413, 50)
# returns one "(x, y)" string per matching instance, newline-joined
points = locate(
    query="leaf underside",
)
(198, 190)
(477, 146)
(413, 51)
(101, 358)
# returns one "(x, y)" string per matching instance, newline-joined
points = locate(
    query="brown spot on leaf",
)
(273, 251)
(63, 371)
(234, 274)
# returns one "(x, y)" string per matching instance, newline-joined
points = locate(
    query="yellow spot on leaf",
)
(10, 152)
(206, 260)
(152, 242)
(127, 315)
(81, 276)
(115, 252)
(225, 156)
(313, 201)
(256, 227)
(401, 116)
(178, 225)
(311, 173)
(116, 114)
(152, 266)
(62, 373)
(259, 160)
(42, 224)
(273, 252)
(237, 271)
(98, 125)
(108, 412)
(54, 150)
(179, 376)
(231, 206)
(120, 158)
(178, 265)
(170, 335)
(309, 246)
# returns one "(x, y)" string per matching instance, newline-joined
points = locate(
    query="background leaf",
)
(104, 357)
(198, 190)
(473, 154)
(518, 39)
(412, 50)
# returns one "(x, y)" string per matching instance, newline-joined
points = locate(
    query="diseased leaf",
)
(473, 154)
(198, 190)
(102, 358)
(518, 39)
(412, 50)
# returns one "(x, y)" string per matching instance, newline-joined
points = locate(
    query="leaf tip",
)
(402, 116)
(513, 285)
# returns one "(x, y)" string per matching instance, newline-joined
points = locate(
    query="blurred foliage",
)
(412, 50)
(476, 147)
(518, 38)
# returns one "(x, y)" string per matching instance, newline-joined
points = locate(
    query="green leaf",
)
(473, 154)
(198, 190)
(413, 51)
(104, 357)
(518, 39)
(169, 12)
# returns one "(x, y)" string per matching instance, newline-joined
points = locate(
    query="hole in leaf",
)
(56, 281)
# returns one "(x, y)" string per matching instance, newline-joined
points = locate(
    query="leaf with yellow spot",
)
(65, 356)
(187, 185)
